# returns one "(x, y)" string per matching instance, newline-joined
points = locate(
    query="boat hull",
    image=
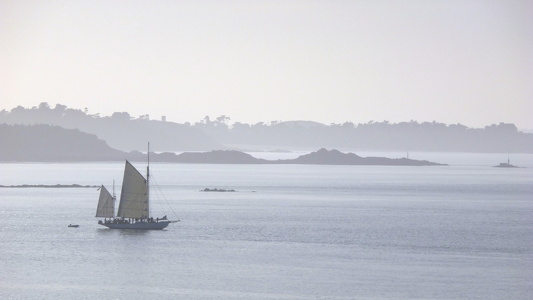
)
(138, 225)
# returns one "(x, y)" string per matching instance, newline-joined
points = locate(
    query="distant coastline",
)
(45, 143)
(320, 157)
(55, 186)
(124, 132)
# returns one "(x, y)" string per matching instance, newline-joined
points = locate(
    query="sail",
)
(134, 194)
(106, 204)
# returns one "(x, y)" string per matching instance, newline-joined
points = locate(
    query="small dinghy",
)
(73, 225)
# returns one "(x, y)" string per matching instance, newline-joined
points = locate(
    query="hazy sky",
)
(468, 62)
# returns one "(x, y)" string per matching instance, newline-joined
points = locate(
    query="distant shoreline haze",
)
(46, 143)
(123, 132)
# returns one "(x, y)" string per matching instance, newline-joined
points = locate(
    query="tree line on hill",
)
(122, 131)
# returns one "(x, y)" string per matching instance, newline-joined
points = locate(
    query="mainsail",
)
(106, 204)
(134, 194)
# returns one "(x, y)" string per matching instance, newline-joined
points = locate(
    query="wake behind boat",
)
(134, 206)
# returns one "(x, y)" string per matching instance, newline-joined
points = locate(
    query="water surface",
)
(290, 232)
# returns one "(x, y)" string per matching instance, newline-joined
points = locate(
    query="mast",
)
(114, 198)
(148, 183)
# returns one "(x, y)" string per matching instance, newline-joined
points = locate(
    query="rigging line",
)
(167, 202)
(158, 195)
(158, 190)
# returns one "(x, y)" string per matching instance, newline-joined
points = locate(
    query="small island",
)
(505, 165)
(320, 157)
(216, 190)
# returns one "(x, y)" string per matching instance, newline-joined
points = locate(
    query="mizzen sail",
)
(106, 204)
(134, 194)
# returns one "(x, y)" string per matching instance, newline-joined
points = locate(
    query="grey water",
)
(463, 231)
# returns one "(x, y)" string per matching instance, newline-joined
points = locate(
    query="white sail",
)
(106, 204)
(134, 194)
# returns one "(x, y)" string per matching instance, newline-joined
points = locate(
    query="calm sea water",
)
(290, 232)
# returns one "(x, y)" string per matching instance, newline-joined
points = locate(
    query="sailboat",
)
(134, 206)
